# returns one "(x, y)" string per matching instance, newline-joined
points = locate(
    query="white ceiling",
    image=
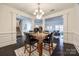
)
(29, 8)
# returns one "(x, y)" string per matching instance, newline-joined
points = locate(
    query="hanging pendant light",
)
(38, 12)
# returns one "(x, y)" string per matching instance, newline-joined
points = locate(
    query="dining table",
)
(40, 37)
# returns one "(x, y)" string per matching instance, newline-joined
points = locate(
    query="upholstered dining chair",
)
(49, 41)
(31, 42)
(40, 29)
(36, 30)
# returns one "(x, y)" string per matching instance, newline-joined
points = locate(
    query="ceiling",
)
(48, 8)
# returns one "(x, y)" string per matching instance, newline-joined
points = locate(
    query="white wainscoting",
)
(72, 38)
(7, 39)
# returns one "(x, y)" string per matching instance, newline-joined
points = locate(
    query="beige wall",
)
(8, 24)
(76, 19)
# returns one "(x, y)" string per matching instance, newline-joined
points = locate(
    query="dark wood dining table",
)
(40, 37)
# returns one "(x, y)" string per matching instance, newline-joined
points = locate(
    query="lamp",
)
(38, 12)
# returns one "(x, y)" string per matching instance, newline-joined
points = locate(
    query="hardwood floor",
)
(70, 50)
(64, 49)
(61, 49)
(8, 50)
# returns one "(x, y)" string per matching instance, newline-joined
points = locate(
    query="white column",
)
(33, 23)
(43, 24)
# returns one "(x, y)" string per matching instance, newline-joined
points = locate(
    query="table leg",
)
(40, 48)
(25, 48)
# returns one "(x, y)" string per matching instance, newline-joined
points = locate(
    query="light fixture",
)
(38, 12)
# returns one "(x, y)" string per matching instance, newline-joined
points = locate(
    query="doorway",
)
(56, 25)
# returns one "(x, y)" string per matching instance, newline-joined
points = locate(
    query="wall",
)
(76, 27)
(26, 23)
(8, 24)
(52, 22)
(38, 22)
(76, 19)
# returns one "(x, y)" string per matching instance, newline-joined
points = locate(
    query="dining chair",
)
(49, 41)
(31, 42)
(40, 29)
(57, 33)
(36, 30)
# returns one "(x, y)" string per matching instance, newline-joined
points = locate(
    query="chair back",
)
(50, 36)
(27, 38)
(36, 30)
(40, 29)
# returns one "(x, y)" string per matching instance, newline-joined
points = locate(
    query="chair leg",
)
(44, 44)
(49, 49)
(30, 51)
(25, 48)
(52, 46)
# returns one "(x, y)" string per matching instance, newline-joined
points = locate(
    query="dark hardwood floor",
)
(70, 50)
(8, 50)
(64, 49)
(60, 50)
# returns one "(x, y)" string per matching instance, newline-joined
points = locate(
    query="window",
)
(59, 27)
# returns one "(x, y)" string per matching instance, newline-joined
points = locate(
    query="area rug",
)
(20, 51)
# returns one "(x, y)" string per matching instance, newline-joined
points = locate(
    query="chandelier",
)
(38, 12)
